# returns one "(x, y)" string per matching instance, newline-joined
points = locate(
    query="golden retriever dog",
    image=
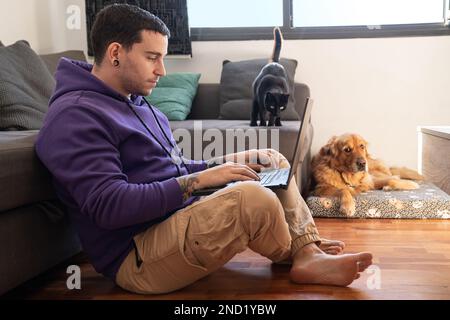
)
(343, 168)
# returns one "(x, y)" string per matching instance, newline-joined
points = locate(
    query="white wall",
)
(42, 23)
(380, 88)
(12, 27)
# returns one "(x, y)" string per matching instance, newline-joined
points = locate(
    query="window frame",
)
(334, 32)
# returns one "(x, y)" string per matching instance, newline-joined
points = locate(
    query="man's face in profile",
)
(144, 63)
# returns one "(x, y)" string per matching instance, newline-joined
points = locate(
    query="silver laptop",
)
(279, 178)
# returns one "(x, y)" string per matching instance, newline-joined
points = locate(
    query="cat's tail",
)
(278, 37)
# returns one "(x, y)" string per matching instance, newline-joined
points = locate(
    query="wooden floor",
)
(413, 257)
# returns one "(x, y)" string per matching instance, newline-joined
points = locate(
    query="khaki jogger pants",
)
(199, 239)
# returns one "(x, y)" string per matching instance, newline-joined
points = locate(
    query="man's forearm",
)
(215, 161)
(188, 184)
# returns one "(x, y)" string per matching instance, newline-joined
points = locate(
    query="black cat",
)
(270, 89)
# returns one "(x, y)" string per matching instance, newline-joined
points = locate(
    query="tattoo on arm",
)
(188, 184)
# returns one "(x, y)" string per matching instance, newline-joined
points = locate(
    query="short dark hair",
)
(124, 24)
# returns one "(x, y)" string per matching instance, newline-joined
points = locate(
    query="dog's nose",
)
(361, 163)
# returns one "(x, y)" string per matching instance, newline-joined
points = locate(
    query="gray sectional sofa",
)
(35, 233)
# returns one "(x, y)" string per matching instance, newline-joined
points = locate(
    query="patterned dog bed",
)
(428, 202)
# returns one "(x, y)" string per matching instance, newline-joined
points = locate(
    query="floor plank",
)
(412, 256)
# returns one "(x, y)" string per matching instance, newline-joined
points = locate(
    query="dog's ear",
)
(330, 148)
(367, 149)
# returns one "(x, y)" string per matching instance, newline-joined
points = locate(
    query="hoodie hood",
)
(73, 75)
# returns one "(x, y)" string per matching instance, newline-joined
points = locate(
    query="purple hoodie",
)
(112, 175)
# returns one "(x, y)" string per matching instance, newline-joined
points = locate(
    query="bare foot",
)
(313, 266)
(333, 247)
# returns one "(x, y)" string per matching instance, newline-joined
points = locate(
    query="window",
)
(319, 13)
(234, 13)
(316, 19)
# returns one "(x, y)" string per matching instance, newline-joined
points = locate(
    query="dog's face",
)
(348, 153)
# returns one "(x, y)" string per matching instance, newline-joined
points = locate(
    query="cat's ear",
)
(225, 62)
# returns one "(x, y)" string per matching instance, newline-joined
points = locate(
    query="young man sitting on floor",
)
(111, 158)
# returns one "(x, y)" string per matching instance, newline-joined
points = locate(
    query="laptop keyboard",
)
(269, 177)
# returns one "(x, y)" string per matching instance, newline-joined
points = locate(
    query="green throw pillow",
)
(174, 94)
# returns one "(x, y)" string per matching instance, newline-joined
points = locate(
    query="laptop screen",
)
(301, 150)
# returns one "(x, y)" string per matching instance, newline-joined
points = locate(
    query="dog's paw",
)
(348, 209)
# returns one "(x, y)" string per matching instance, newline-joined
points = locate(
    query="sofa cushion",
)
(25, 88)
(23, 178)
(236, 93)
(206, 131)
(427, 202)
(206, 102)
(52, 60)
(174, 94)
